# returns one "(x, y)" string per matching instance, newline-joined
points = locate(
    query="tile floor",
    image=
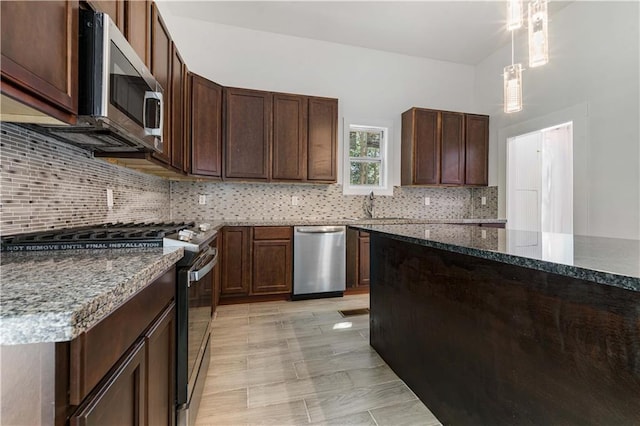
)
(299, 363)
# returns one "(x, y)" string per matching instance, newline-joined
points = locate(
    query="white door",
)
(524, 182)
(540, 193)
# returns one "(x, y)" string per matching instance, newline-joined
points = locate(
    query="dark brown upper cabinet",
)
(289, 137)
(161, 69)
(248, 120)
(132, 17)
(477, 150)
(444, 148)
(178, 75)
(280, 137)
(114, 8)
(39, 63)
(420, 148)
(452, 151)
(323, 143)
(137, 28)
(205, 118)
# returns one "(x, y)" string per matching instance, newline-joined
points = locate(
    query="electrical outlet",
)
(294, 200)
(427, 233)
(202, 199)
(110, 198)
(427, 201)
(483, 201)
(483, 233)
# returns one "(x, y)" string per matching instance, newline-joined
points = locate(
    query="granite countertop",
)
(54, 296)
(608, 261)
(217, 224)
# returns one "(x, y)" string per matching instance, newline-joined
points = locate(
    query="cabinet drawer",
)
(94, 352)
(272, 233)
(363, 234)
(120, 399)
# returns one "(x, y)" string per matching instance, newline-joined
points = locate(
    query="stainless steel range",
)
(194, 286)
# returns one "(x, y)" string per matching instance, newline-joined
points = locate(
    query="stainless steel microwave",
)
(120, 104)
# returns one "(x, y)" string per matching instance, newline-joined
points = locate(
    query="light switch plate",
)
(427, 233)
(294, 200)
(483, 201)
(427, 201)
(202, 199)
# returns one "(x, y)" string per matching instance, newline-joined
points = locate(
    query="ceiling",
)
(464, 32)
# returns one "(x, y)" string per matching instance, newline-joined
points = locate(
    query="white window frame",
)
(385, 187)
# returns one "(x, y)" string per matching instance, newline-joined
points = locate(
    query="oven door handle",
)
(197, 275)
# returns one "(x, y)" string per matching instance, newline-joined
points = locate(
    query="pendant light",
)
(514, 14)
(512, 85)
(538, 21)
(538, 33)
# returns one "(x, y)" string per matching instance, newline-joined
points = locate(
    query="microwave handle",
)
(152, 131)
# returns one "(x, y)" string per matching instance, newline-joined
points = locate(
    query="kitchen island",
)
(493, 326)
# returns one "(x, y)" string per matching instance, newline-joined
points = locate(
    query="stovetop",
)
(106, 236)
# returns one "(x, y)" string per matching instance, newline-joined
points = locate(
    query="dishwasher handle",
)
(319, 229)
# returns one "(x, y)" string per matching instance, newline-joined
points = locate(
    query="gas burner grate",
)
(108, 235)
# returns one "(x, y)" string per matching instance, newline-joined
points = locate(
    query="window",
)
(366, 159)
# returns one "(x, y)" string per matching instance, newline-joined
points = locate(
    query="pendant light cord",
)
(512, 54)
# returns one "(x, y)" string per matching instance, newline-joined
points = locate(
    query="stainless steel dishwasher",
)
(319, 261)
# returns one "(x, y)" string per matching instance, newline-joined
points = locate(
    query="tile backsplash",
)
(47, 184)
(273, 201)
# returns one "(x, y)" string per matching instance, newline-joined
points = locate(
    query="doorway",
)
(540, 180)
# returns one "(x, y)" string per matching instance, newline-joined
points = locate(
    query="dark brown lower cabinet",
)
(160, 341)
(358, 263)
(235, 261)
(122, 370)
(120, 398)
(256, 261)
(272, 263)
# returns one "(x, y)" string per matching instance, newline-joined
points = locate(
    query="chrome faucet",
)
(369, 208)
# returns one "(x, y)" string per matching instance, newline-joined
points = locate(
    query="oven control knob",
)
(185, 235)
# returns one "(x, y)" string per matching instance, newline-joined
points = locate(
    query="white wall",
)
(369, 84)
(592, 78)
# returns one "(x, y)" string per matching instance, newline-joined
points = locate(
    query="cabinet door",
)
(426, 147)
(40, 55)
(216, 274)
(120, 398)
(352, 258)
(160, 340)
(113, 8)
(453, 152)
(236, 265)
(322, 145)
(248, 134)
(289, 137)
(477, 150)
(161, 69)
(206, 127)
(177, 109)
(137, 20)
(363, 260)
(272, 266)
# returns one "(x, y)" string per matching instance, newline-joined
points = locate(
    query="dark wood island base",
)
(484, 342)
